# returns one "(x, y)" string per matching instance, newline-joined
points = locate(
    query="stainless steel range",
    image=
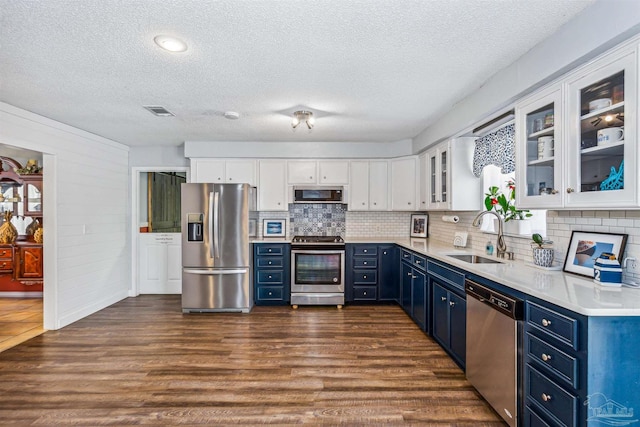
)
(317, 270)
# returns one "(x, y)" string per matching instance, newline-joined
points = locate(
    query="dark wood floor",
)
(141, 361)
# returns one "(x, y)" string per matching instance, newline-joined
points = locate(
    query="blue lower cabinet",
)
(371, 273)
(406, 282)
(271, 273)
(389, 288)
(449, 322)
(414, 294)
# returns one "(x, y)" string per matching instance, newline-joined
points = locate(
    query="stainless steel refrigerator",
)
(216, 253)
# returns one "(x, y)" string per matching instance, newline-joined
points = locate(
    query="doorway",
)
(156, 235)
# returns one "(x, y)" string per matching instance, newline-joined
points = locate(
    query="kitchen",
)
(107, 168)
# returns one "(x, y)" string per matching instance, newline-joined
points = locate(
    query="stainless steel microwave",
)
(318, 194)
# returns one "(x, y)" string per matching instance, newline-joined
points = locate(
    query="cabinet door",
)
(423, 183)
(602, 145)
(388, 277)
(406, 278)
(539, 151)
(444, 163)
(301, 171)
(378, 185)
(30, 259)
(272, 190)
(160, 263)
(205, 170)
(433, 180)
(403, 184)
(419, 299)
(240, 172)
(458, 327)
(440, 324)
(359, 186)
(333, 172)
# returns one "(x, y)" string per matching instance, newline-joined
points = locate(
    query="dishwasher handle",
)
(505, 304)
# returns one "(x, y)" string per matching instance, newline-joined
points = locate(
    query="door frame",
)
(134, 288)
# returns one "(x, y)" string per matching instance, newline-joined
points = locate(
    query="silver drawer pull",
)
(364, 277)
(443, 298)
(269, 262)
(408, 274)
(364, 250)
(451, 303)
(365, 263)
(546, 357)
(270, 294)
(364, 293)
(546, 322)
(546, 397)
(270, 277)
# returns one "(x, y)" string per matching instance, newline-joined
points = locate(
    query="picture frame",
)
(274, 227)
(586, 246)
(419, 225)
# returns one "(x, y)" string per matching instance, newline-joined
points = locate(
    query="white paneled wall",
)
(86, 205)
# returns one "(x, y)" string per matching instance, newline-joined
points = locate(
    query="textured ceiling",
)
(370, 70)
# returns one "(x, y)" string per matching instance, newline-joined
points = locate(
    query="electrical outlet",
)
(631, 264)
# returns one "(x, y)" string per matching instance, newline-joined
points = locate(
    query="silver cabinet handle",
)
(364, 277)
(364, 293)
(384, 253)
(408, 274)
(546, 397)
(270, 277)
(270, 294)
(364, 250)
(545, 357)
(451, 303)
(269, 262)
(570, 190)
(413, 277)
(364, 263)
(443, 298)
(546, 322)
(554, 191)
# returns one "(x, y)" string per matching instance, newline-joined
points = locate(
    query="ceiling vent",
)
(159, 111)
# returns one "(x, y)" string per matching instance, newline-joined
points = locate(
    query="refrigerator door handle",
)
(216, 225)
(215, 272)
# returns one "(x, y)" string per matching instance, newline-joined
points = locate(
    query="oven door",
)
(317, 270)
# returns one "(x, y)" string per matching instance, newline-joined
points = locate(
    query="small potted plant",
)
(503, 203)
(542, 256)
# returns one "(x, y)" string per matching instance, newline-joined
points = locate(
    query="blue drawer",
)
(560, 363)
(446, 274)
(364, 277)
(532, 419)
(365, 262)
(550, 398)
(420, 262)
(269, 276)
(270, 293)
(406, 256)
(267, 261)
(553, 324)
(364, 293)
(263, 249)
(371, 250)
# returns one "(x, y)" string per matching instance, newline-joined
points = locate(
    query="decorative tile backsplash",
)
(317, 219)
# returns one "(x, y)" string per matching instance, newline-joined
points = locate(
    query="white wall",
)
(157, 156)
(85, 207)
(598, 28)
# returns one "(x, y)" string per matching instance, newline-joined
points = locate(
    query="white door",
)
(159, 261)
(359, 186)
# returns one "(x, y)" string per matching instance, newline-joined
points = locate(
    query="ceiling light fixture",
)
(231, 115)
(303, 116)
(169, 43)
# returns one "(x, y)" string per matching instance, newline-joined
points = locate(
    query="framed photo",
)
(419, 225)
(586, 246)
(274, 227)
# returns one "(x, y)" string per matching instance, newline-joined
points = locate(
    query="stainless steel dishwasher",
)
(494, 330)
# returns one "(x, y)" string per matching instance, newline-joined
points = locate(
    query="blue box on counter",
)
(607, 270)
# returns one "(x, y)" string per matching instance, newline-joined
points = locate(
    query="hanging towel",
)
(496, 148)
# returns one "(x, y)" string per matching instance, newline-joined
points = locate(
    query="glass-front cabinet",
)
(438, 178)
(602, 134)
(539, 126)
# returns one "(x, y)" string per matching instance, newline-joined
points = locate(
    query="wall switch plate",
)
(460, 239)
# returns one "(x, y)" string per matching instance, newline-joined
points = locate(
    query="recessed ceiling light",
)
(231, 115)
(169, 43)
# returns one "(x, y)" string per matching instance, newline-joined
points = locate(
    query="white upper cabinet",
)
(302, 171)
(272, 191)
(451, 184)
(576, 140)
(540, 150)
(404, 183)
(224, 171)
(333, 172)
(322, 172)
(423, 183)
(368, 185)
(602, 136)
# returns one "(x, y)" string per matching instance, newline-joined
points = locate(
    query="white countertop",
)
(575, 293)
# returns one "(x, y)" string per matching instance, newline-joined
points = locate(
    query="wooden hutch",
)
(21, 263)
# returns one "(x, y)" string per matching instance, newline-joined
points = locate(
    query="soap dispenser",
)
(489, 248)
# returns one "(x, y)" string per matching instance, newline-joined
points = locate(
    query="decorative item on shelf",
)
(8, 232)
(541, 256)
(38, 235)
(32, 227)
(504, 205)
(615, 181)
(607, 270)
(30, 168)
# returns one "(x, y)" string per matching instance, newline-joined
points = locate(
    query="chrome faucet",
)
(501, 245)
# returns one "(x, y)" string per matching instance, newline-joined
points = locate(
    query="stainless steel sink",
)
(475, 259)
